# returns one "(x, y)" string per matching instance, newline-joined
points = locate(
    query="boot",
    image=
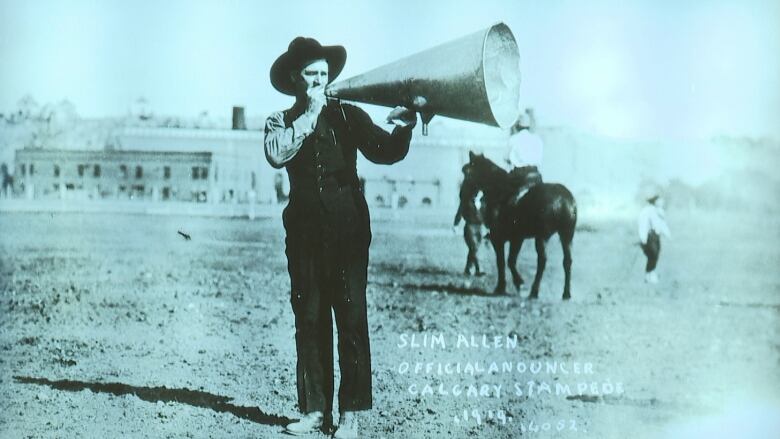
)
(309, 423)
(651, 277)
(348, 426)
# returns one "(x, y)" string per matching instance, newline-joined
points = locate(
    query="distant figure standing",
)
(472, 231)
(6, 181)
(282, 192)
(651, 225)
(525, 152)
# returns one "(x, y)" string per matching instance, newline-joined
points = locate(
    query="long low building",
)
(229, 166)
(183, 176)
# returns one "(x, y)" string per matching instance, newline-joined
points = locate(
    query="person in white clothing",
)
(652, 224)
(525, 152)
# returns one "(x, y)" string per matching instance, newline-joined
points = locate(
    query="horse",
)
(514, 215)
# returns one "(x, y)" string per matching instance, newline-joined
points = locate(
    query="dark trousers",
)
(652, 249)
(525, 176)
(328, 262)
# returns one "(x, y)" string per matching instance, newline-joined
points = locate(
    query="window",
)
(167, 172)
(81, 170)
(166, 193)
(32, 169)
(56, 170)
(200, 172)
(139, 172)
(24, 169)
(96, 171)
(426, 201)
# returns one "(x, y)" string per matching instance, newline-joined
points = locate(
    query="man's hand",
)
(316, 100)
(403, 117)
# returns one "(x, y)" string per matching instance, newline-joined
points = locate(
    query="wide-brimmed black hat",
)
(300, 52)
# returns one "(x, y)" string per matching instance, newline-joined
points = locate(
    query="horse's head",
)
(480, 171)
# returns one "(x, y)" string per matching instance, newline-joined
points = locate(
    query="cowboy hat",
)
(523, 121)
(299, 53)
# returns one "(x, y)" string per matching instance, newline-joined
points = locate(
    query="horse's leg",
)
(477, 243)
(477, 271)
(468, 263)
(541, 260)
(471, 261)
(471, 242)
(514, 250)
(475, 239)
(566, 240)
(467, 270)
(498, 246)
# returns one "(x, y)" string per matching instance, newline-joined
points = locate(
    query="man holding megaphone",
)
(328, 229)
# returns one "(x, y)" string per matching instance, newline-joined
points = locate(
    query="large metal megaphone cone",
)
(474, 78)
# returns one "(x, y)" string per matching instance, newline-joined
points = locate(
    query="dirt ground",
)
(116, 326)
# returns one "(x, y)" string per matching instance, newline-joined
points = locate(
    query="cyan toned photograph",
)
(389, 219)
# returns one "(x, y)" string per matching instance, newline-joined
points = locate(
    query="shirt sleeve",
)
(282, 143)
(643, 224)
(659, 224)
(376, 144)
(515, 156)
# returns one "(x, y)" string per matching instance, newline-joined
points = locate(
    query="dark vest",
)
(323, 174)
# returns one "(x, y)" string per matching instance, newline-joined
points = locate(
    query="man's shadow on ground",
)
(194, 398)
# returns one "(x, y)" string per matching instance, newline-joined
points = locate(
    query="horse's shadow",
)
(194, 398)
(447, 288)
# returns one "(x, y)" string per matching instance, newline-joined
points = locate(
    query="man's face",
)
(314, 74)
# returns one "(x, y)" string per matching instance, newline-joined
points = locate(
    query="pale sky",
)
(629, 69)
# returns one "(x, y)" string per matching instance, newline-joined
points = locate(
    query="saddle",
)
(524, 178)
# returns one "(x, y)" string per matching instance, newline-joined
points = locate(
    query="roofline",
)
(109, 152)
(191, 133)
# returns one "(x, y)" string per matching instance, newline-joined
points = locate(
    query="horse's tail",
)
(567, 214)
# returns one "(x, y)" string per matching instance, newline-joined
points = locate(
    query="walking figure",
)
(472, 230)
(651, 225)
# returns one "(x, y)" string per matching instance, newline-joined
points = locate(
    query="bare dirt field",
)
(115, 326)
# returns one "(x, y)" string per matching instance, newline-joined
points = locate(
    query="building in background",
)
(229, 166)
(102, 174)
(146, 163)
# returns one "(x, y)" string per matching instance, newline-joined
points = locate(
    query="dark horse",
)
(539, 213)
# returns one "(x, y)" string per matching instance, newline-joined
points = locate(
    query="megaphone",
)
(474, 78)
